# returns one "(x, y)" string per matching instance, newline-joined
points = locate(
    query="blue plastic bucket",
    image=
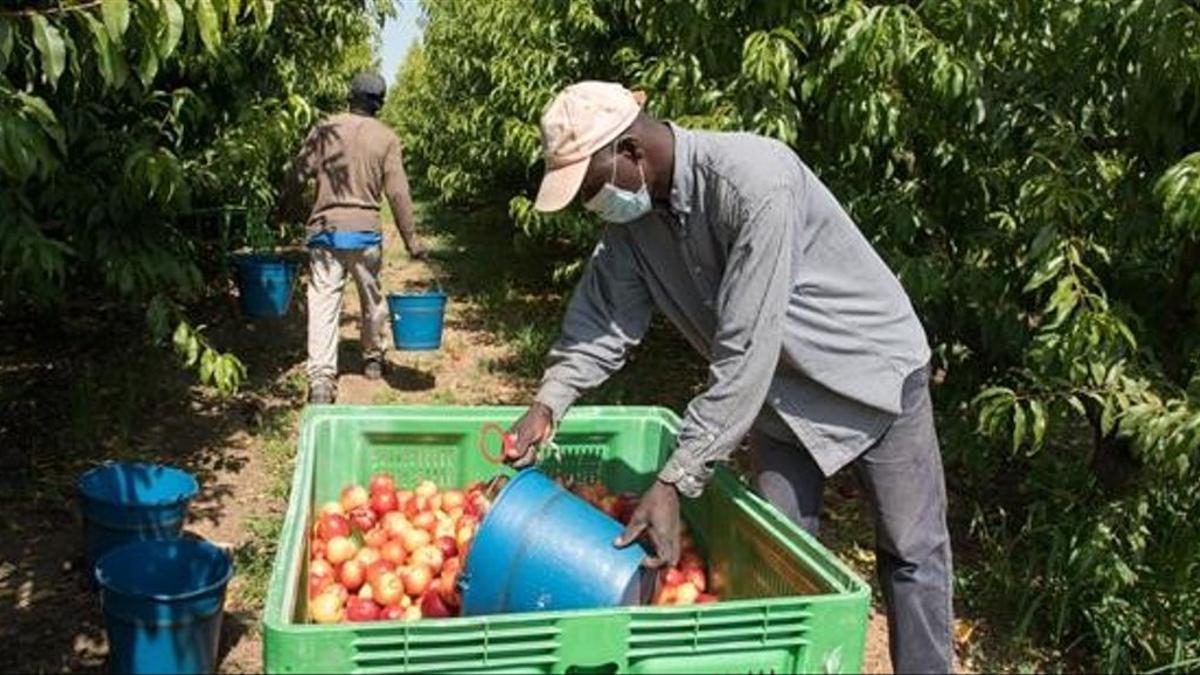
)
(163, 603)
(417, 320)
(541, 548)
(265, 284)
(123, 502)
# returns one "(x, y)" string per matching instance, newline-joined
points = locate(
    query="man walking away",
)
(355, 161)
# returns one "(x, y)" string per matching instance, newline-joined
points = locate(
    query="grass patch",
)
(387, 396)
(255, 556)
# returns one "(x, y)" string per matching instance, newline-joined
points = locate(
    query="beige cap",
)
(581, 120)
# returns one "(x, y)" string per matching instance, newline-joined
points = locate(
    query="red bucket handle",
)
(507, 442)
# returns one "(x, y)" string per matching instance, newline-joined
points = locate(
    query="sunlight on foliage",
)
(130, 128)
(1029, 170)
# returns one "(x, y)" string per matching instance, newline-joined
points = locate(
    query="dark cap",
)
(368, 85)
(367, 91)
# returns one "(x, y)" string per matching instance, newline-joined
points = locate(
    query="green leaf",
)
(1108, 416)
(180, 339)
(1179, 190)
(1039, 423)
(207, 365)
(172, 16)
(40, 111)
(1018, 436)
(210, 28)
(1041, 243)
(6, 42)
(1077, 405)
(158, 314)
(1045, 272)
(193, 350)
(992, 392)
(233, 11)
(116, 18)
(109, 59)
(1063, 301)
(103, 46)
(264, 12)
(148, 67)
(979, 111)
(51, 47)
(220, 374)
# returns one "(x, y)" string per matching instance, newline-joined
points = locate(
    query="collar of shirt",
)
(683, 178)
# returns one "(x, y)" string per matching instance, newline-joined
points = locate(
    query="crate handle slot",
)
(609, 667)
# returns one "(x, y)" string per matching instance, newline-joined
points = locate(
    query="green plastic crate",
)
(787, 604)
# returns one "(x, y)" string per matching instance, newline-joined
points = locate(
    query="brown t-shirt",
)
(355, 161)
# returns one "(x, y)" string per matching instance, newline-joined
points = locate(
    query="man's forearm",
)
(557, 396)
(402, 214)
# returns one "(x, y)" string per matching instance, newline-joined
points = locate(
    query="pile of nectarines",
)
(382, 553)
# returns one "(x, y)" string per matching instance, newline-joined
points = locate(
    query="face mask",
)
(617, 205)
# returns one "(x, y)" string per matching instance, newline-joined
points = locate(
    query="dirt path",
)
(241, 639)
(460, 373)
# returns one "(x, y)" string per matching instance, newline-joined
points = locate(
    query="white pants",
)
(327, 280)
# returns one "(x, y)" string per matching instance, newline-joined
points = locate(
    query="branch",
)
(51, 11)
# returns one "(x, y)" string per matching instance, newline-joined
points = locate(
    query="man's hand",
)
(657, 519)
(533, 429)
(419, 253)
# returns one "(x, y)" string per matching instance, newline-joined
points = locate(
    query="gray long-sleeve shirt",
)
(766, 275)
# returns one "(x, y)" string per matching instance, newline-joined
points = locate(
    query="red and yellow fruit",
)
(379, 553)
(381, 482)
(354, 497)
(325, 608)
(340, 549)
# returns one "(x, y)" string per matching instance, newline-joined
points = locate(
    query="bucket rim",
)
(109, 586)
(465, 575)
(244, 261)
(259, 256)
(417, 296)
(521, 474)
(189, 493)
(505, 491)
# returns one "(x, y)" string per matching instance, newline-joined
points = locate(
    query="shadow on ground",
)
(398, 377)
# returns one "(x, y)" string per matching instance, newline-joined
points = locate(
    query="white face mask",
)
(617, 205)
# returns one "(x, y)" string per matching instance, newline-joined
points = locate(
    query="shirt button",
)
(776, 401)
(710, 438)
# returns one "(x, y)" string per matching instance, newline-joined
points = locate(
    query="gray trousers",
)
(328, 269)
(902, 476)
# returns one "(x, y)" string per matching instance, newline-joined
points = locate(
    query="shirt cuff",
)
(688, 474)
(556, 396)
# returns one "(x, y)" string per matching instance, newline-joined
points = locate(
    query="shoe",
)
(321, 393)
(373, 369)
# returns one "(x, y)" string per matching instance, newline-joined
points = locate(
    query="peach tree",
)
(129, 128)
(1031, 171)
